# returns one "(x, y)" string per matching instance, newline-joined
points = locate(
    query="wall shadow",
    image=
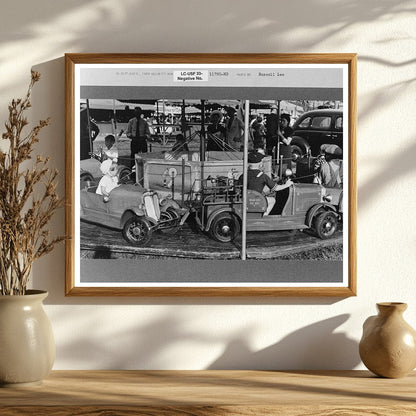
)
(313, 347)
(80, 26)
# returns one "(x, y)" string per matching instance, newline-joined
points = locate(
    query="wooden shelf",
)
(203, 393)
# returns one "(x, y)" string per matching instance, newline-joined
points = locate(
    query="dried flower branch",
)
(28, 200)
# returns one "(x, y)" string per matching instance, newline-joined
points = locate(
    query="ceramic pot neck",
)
(389, 308)
(30, 296)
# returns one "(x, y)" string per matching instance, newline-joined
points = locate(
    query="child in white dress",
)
(109, 181)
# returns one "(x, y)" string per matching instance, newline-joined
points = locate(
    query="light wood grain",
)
(325, 58)
(69, 174)
(200, 393)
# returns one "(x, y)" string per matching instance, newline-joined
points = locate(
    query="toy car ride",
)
(134, 210)
(218, 209)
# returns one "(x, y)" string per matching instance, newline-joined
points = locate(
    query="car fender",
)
(315, 209)
(217, 212)
(301, 142)
(133, 211)
(167, 203)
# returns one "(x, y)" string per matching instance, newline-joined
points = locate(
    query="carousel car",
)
(314, 128)
(133, 210)
(218, 209)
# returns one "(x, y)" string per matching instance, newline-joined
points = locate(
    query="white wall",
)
(201, 333)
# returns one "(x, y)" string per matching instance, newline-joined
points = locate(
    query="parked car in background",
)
(314, 128)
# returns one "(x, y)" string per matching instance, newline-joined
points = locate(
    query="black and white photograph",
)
(211, 175)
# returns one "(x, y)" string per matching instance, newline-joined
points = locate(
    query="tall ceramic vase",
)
(27, 347)
(388, 345)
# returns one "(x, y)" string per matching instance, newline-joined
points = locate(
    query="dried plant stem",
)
(28, 200)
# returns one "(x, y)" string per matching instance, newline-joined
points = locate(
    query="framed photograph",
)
(211, 174)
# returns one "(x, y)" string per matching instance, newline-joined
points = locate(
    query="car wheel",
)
(326, 224)
(137, 231)
(124, 175)
(296, 152)
(170, 214)
(85, 180)
(225, 227)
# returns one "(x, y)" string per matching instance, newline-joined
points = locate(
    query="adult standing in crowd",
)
(257, 129)
(138, 131)
(272, 127)
(89, 132)
(285, 139)
(235, 130)
(216, 133)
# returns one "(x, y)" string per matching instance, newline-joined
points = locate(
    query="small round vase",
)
(27, 347)
(388, 345)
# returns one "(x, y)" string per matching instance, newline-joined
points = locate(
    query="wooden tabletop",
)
(253, 393)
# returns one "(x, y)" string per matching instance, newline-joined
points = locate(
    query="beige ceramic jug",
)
(388, 345)
(27, 347)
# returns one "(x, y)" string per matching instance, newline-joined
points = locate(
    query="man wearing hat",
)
(257, 179)
(329, 166)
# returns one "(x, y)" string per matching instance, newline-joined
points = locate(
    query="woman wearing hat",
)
(216, 133)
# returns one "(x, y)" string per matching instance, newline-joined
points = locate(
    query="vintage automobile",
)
(217, 208)
(314, 128)
(134, 210)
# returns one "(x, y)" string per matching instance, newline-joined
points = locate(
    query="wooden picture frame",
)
(141, 79)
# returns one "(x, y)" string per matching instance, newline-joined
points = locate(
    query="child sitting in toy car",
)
(109, 181)
(257, 179)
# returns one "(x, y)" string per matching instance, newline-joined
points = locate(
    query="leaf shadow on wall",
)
(147, 344)
(133, 25)
(316, 346)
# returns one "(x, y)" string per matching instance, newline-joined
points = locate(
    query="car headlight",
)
(324, 196)
(163, 202)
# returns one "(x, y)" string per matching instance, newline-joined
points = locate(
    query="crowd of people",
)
(268, 135)
(225, 131)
